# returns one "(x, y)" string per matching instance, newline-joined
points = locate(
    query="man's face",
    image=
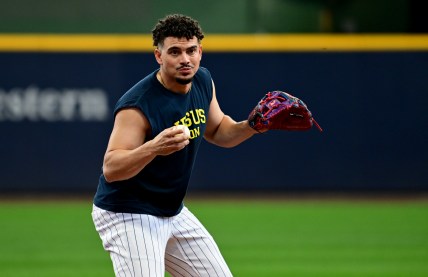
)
(179, 58)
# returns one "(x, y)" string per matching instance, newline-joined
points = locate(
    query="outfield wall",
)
(369, 93)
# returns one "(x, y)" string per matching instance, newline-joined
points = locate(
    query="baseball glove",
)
(278, 110)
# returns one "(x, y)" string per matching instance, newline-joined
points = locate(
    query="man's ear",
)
(158, 55)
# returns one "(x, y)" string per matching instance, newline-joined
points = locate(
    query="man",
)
(138, 208)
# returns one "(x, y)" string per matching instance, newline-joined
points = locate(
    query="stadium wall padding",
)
(56, 117)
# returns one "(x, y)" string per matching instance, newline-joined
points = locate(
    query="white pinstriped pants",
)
(144, 245)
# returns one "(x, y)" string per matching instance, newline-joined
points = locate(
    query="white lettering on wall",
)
(35, 104)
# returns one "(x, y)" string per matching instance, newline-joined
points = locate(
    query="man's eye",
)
(191, 51)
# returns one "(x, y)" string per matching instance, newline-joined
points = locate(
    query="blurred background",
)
(239, 16)
(56, 102)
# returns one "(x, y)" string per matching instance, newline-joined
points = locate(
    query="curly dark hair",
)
(176, 25)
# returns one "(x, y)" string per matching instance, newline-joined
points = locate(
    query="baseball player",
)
(138, 207)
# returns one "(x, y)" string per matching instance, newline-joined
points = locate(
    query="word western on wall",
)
(53, 104)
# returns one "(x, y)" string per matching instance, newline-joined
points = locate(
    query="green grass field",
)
(257, 238)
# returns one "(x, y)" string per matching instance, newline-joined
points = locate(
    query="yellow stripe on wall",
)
(213, 43)
(75, 43)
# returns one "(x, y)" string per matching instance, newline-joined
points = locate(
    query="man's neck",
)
(173, 85)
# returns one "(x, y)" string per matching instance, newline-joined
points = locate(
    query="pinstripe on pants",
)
(145, 245)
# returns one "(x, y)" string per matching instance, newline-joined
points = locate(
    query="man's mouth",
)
(185, 68)
(185, 71)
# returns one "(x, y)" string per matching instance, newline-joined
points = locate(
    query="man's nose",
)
(185, 58)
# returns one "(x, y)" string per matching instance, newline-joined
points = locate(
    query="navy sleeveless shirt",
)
(160, 187)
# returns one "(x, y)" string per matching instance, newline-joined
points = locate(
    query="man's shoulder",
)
(141, 87)
(133, 97)
(203, 73)
(145, 82)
